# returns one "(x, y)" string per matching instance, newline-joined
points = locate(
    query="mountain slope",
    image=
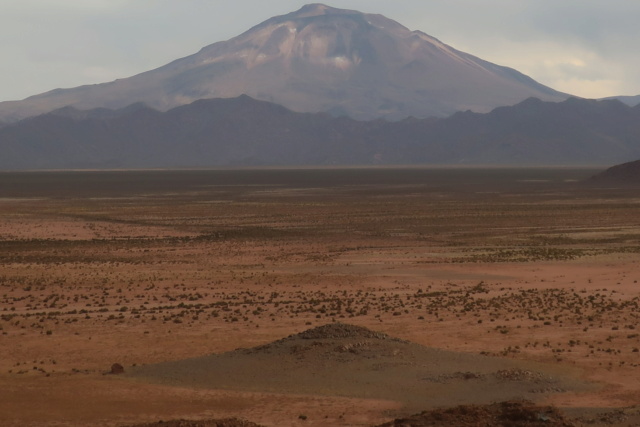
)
(244, 131)
(313, 60)
(626, 174)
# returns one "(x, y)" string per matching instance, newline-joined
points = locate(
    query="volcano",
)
(317, 59)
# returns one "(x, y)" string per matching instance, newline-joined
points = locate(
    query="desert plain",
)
(454, 286)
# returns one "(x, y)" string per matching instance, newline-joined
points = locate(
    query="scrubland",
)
(139, 268)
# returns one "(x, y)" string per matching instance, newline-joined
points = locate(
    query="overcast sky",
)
(587, 48)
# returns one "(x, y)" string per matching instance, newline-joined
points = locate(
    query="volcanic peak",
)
(316, 59)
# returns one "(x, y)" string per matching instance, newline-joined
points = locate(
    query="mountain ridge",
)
(243, 131)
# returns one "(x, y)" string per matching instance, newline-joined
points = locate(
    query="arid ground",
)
(491, 284)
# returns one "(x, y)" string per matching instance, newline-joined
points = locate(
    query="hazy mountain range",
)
(319, 86)
(317, 59)
(244, 131)
(629, 100)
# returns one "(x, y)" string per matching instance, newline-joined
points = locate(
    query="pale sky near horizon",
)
(588, 48)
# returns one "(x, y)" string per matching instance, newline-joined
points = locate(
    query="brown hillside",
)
(626, 174)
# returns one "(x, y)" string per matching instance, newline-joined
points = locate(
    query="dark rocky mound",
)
(116, 369)
(339, 331)
(329, 333)
(626, 174)
(227, 422)
(352, 361)
(504, 414)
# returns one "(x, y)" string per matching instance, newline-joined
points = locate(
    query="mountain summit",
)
(318, 58)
